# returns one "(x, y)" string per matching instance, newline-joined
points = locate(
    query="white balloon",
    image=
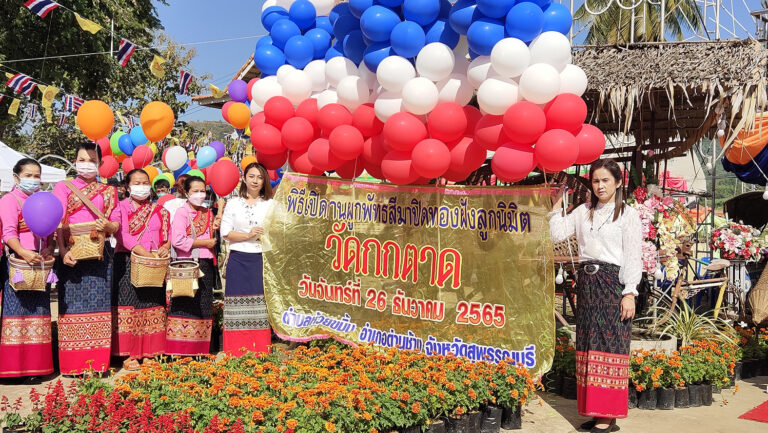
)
(573, 80)
(352, 92)
(552, 48)
(267, 4)
(387, 104)
(285, 4)
(316, 71)
(435, 61)
(338, 68)
(323, 7)
(327, 96)
(264, 89)
(420, 95)
(455, 88)
(282, 71)
(368, 76)
(297, 86)
(480, 70)
(497, 94)
(256, 108)
(175, 158)
(393, 72)
(375, 93)
(540, 83)
(510, 57)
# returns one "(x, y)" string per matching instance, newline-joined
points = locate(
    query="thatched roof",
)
(246, 72)
(669, 95)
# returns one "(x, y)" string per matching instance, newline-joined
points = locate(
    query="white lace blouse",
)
(240, 216)
(617, 242)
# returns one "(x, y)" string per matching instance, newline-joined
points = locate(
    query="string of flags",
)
(41, 8)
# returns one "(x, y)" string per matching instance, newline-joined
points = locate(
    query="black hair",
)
(161, 183)
(190, 180)
(130, 174)
(23, 162)
(88, 146)
(613, 167)
(266, 187)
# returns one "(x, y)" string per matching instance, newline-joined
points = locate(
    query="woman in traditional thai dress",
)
(25, 342)
(246, 325)
(193, 236)
(609, 234)
(85, 311)
(144, 230)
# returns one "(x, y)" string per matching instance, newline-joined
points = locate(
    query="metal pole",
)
(662, 36)
(570, 32)
(111, 37)
(714, 196)
(632, 28)
(717, 19)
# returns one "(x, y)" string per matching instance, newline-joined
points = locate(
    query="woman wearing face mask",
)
(193, 235)
(25, 343)
(85, 318)
(144, 230)
(610, 237)
(246, 324)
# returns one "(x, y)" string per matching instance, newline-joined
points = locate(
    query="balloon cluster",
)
(386, 87)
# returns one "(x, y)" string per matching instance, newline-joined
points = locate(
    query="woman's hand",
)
(31, 257)
(210, 243)
(47, 252)
(67, 258)
(216, 223)
(257, 232)
(100, 224)
(141, 251)
(164, 250)
(627, 307)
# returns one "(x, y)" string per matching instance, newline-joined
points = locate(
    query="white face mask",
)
(197, 198)
(87, 170)
(140, 191)
(28, 186)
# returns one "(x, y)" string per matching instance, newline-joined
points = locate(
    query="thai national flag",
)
(21, 83)
(125, 52)
(41, 8)
(31, 111)
(72, 103)
(131, 121)
(184, 80)
(63, 118)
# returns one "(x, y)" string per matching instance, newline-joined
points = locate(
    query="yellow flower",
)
(331, 427)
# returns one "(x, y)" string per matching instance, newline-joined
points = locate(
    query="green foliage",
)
(686, 325)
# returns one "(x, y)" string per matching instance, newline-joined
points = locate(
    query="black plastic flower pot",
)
(13, 430)
(491, 419)
(682, 398)
(436, 426)
(411, 429)
(632, 397)
(746, 369)
(475, 421)
(737, 372)
(694, 395)
(762, 367)
(511, 418)
(665, 398)
(569, 388)
(646, 400)
(457, 424)
(706, 394)
(716, 388)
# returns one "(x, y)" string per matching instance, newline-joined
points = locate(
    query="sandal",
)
(612, 427)
(131, 364)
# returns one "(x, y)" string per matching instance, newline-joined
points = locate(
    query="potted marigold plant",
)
(514, 385)
(669, 379)
(566, 366)
(644, 377)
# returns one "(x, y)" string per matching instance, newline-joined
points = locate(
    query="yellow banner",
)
(87, 25)
(49, 94)
(13, 109)
(466, 271)
(157, 67)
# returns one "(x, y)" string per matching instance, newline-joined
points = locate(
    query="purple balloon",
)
(238, 90)
(42, 212)
(220, 149)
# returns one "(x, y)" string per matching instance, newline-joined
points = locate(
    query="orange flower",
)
(292, 423)
(416, 408)
(330, 427)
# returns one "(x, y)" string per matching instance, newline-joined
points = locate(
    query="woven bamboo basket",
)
(32, 277)
(148, 271)
(85, 242)
(758, 300)
(568, 248)
(182, 278)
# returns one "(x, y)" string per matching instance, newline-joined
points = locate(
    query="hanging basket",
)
(148, 271)
(567, 249)
(182, 278)
(23, 276)
(86, 243)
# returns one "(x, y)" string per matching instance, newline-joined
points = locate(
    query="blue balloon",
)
(337, 50)
(408, 39)
(390, 3)
(377, 23)
(445, 9)
(299, 51)
(375, 53)
(337, 11)
(302, 12)
(423, 12)
(206, 156)
(524, 21)
(557, 18)
(483, 34)
(126, 144)
(137, 137)
(264, 40)
(495, 8)
(462, 15)
(325, 24)
(354, 46)
(268, 58)
(345, 24)
(472, 55)
(441, 31)
(543, 4)
(272, 14)
(184, 168)
(321, 41)
(282, 30)
(357, 7)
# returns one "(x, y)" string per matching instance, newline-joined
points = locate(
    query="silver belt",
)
(591, 269)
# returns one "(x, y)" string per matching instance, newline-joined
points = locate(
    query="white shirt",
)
(173, 205)
(239, 216)
(617, 242)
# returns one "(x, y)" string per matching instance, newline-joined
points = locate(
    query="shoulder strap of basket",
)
(151, 213)
(195, 251)
(79, 194)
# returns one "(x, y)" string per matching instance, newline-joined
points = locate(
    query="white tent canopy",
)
(8, 158)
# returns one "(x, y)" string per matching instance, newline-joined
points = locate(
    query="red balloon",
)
(566, 111)
(403, 130)
(164, 199)
(524, 122)
(321, 157)
(374, 170)
(466, 157)
(299, 162)
(272, 162)
(513, 161)
(331, 116)
(346, 142)
(225, 110)
(249, 87)
(298, 133)
(267, 139)
(109, 166)
(489, 132)
(106, 149)
(163, 157)
(447, 122)
(473, 116)
(364, 118)
(351, 169)
(277, 110)
(193, 164)
(142, 156)
(397, 167)
(127, 165)
(591, 144)
(272, 173)
(206, 178)
(456, 176)
(224, 176)
(556, 150)
(374, 150)
(257, 119)
(308, 110)
(431, 157)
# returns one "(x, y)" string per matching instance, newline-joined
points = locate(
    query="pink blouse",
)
(181, 236)
(104, 197)
(13, 225)
(133, 219)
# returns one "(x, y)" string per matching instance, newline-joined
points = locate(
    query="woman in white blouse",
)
(246, 325)
(609, 235)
